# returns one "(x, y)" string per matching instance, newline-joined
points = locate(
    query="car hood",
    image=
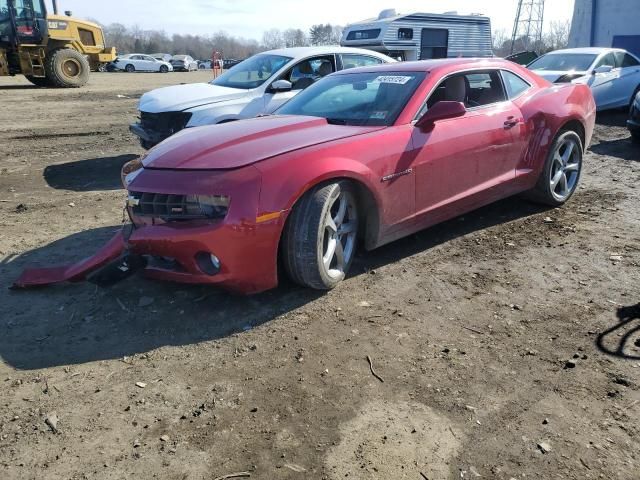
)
(241, 143)
(554, 75)
(182, 97)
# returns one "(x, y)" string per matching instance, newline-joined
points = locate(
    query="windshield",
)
(371, 99)
(563, 62)
(252, 72)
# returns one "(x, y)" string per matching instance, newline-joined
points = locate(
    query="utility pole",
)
(528, 24)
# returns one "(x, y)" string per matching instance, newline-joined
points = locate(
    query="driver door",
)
(461, 159)
(301, 75)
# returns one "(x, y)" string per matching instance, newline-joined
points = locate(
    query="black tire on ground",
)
(635, 136)
(542, 192)
(305, 236)
(146, 144)
(67, 68)
(38, 81)
(164, 69)
(129, 68)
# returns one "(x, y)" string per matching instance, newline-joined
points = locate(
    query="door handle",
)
(511, 122)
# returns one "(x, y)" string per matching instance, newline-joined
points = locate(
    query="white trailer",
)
(421, 36)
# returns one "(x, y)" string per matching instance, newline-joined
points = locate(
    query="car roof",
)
(302, 52)
(435, 65)
(587, 50)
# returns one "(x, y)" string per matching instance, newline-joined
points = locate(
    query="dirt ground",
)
(508, 340)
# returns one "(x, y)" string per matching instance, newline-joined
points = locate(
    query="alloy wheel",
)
(565, 169)
(340, 232)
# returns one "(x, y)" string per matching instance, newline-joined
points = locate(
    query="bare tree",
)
(272, 39)
(557, 37)
(294, 37)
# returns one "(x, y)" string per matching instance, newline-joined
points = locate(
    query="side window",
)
(405, 34)
(353, 61)
(608, 60)
(474, 89)
(629, 61)
(514, 84)
(308, 71)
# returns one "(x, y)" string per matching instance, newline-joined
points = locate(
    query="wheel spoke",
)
(556, 178)
(566, 156)
(564, 185)
(331, 251)
(572, 167)
(342, 210)
(347, 228)
(331, 225)
(339, 256)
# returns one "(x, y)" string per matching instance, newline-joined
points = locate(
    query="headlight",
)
(211, 206)
(130, 170)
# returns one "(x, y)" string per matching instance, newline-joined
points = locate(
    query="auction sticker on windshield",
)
(397, 79)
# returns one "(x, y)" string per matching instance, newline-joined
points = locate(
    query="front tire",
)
(129, 68)
(561, 173)
(320, 237)
(67, 68)
(164, 69)
(38, 81)
(635, 136)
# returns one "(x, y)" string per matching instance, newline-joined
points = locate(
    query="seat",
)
(304, 68)
(325, 69)
(455, 89)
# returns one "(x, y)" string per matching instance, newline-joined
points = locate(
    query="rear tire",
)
(129, 68)
(67, 68)
(319, 241)
(561, 172)
(38, 81)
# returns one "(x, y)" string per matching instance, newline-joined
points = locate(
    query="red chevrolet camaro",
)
(363, 157)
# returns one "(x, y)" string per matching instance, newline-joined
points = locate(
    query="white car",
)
(137, 62)
(255, 86)
(184, 63)
(612, 73)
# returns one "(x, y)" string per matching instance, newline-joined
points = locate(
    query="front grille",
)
(166, 206)
(166, 123)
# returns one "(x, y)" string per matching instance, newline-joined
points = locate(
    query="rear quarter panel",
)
(546, 112)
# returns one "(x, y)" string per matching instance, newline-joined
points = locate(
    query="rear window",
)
(514, 84)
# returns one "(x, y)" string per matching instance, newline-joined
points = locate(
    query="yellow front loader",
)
(50, 50)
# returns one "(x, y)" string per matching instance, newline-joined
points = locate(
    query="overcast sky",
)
(249, 18)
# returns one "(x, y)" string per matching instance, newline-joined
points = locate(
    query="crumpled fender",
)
(77, 272)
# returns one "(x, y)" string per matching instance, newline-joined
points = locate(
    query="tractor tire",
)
(67, 68)
(38, 81)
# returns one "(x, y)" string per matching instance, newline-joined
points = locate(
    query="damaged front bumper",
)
(112, 251)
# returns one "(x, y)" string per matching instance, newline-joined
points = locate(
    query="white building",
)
(606, 23)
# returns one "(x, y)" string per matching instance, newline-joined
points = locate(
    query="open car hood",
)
(182, 97)
(241, 143)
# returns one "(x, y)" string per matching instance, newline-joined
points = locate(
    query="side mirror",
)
(281, 86)
(603, 69)
(440, 111)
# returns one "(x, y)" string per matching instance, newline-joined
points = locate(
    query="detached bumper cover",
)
(78, 272)
(146, 135)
